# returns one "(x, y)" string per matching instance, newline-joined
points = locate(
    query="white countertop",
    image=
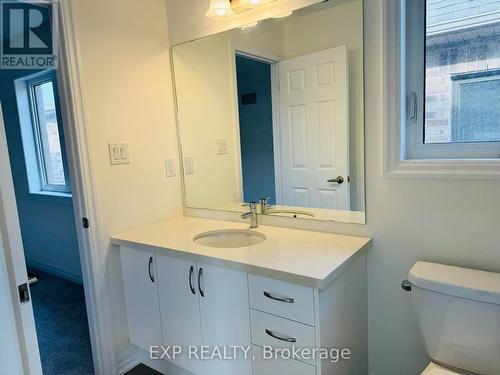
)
(310, 258)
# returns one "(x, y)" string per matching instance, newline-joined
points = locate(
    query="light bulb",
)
(219, 9)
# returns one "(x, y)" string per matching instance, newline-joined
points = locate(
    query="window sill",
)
(469, 169)
(51, 197)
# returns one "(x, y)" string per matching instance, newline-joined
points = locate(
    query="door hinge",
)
(24, 293)
(85, 222)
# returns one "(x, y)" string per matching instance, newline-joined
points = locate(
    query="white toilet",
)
(458, 310)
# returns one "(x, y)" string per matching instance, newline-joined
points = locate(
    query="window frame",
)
(415, 66)
(43, 186)
(408, 159)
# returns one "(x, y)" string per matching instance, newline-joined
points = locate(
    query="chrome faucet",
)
(252, 214)
(264, 205)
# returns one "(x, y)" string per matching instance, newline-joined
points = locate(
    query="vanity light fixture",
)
(283, 15)
(219, 9)
(254, 3)
(249, 25)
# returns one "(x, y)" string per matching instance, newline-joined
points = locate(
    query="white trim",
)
(239, 193)
(130, 359)
(394, 116)
(77, 137)
(275, 97)
(464, 23)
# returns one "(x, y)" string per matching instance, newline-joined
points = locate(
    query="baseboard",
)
(128, 361)
(54, 271)
(132, 356)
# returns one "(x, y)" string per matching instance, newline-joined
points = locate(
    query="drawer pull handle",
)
(280, 299)
(280, 337)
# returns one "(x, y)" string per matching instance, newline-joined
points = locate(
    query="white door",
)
(314, 130)
(18, 341)
(141, 297)
(180, 308)
(225, 319)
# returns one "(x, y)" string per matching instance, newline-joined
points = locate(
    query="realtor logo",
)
(28, 34)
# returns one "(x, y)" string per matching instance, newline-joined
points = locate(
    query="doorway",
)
(41, 178)
(294, 129)
(255, 109)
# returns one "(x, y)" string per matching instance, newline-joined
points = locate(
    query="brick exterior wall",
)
(462, 51)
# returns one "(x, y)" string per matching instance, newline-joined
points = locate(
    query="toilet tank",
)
(458, 310)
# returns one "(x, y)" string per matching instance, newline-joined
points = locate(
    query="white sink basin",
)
(227, 238)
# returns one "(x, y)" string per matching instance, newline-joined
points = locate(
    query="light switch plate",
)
(221, 147)
(188, 165)
(118, 153)
(170, 167)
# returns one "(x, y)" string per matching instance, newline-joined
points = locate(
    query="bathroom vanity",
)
(289, 288)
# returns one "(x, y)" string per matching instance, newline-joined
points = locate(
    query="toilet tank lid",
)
(456, 281)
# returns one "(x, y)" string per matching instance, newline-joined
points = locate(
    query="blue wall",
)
(47, 222)
(256, 129)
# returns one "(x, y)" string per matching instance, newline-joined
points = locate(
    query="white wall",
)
(448, 221)
(125, 67)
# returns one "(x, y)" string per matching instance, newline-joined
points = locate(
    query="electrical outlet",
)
(188, 165)
(170, 167)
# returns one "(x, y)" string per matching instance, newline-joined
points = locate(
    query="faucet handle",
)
(265, 200)
(251, 205)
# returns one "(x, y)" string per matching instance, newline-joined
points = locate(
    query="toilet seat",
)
(435, 369)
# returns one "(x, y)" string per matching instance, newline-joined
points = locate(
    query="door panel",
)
(225, 317)
(314, 129)
(141, 297)
(21, 345)
(180, 308)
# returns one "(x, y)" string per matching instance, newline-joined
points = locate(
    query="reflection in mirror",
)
(274, 114)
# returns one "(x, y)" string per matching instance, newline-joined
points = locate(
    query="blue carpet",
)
(61, 325)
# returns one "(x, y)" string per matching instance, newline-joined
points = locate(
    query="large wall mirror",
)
(275, 112)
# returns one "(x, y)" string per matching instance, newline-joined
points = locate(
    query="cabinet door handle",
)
(280, 299)
(191, 271)
(200, 275)
(150, 270)
(280, 337)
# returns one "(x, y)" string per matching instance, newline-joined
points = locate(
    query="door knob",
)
(339, 180)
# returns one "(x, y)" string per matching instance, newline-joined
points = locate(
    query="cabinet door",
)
(141, 297)
(225, 317)
(180, 309)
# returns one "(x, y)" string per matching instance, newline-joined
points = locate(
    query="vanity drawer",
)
(280, 298)
(273, 366)
(276, 332)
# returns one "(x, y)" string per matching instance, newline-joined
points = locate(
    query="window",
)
(452, 74)
(42, 134)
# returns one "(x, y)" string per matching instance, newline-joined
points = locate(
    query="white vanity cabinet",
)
(178, 302)
(141, 297)
(295, 290)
